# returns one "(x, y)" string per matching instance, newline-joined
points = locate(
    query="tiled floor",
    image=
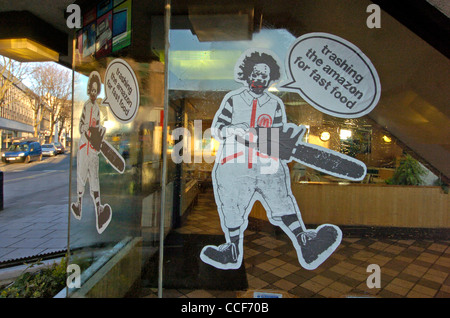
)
(409, 268)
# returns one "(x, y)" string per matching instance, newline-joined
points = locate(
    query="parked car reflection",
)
(59, 147)
(49, 150)
(23, 152)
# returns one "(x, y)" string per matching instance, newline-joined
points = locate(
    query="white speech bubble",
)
(332, 75)
(121, 91)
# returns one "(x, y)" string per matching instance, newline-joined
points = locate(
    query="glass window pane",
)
(242, 219)
(116, 163)
(213, 206)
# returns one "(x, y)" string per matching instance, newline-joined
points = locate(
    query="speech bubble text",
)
(121, 90)
(332, 75)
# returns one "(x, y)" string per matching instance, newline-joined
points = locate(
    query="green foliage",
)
(359, 143)
(45, 283)
(442, 184)
(409, 172)
(350, 147)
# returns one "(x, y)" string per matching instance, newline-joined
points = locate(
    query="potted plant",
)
(409, 172)
(44, 283)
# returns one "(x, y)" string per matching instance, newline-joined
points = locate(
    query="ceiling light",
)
(345, 134)
(325, 136)
(387, 139)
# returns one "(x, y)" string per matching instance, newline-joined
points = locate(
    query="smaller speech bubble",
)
(332, 75)
(121, 91)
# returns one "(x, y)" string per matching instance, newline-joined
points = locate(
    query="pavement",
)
(33, 228)
(25, 234)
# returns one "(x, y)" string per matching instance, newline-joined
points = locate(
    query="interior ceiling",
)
(441, 5)
(414, 104)
(414, 76)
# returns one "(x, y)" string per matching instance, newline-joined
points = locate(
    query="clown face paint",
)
(259, 79)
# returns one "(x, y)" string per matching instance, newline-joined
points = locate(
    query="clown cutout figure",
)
(90, 145)
(251, 164)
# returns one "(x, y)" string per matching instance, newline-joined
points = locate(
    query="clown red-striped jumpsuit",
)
(237, 173)
(87, 156)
